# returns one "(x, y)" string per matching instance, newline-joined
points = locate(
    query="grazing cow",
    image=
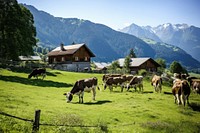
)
(157, 83)
(115, 81)
(81, 86)
(181, 91)
(38, 71)
(136, 81)
(190, 80)
(196, 86)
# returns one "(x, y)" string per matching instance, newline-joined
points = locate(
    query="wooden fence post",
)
(36, 122)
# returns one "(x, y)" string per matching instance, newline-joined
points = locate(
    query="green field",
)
(111, 112)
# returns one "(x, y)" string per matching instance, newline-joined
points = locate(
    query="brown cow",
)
(81, 86)
(115, 81)
(157, 83)
(136, 81)
(181, 91)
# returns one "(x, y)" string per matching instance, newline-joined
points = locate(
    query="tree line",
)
(17, 30)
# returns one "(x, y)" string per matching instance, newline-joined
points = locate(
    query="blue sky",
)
(118, 14)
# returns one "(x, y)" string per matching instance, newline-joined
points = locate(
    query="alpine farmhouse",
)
(74, 57)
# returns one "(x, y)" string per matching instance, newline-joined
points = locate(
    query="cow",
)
(181, 91)
(115, 81)
(136, 81)
(38, 71)
(190, 80)
(81, 86)
(157, 83)
(196, 86)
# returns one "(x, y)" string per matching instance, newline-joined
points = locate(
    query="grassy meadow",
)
(111, 112)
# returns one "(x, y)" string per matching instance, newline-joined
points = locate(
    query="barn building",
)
(137, 64)
(75, 57)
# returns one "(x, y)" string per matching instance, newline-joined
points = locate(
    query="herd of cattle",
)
(181, 89)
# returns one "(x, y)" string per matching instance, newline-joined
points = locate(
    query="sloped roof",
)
(136, 62)
(70, 49)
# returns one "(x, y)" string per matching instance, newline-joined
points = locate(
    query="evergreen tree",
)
(127, 64)
(132, 54)
(17, 32)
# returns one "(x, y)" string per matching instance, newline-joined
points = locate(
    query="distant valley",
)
(106, 43)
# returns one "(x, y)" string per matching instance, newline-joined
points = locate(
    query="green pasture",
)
(111, 112)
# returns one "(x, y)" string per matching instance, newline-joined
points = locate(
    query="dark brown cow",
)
(136, 81)
(115, 81)
(38, 71)
(157, 83)
(181, 91)
(81, 86)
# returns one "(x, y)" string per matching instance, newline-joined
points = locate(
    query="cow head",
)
(69, 96)
(29, 76)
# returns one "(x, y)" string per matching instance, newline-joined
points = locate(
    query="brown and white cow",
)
(115, 81)
(196, 86)
(181, 91)
(157, 83)
(136, 81)
(81, 86)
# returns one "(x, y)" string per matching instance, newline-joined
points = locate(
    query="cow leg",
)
(81, 97)
(175, 99)
(94, 92)
(183, 98)
(127, 87)
(187, 98)
(142, 88)
(111, 88)
(135, 87)
(43, 76)
(122, 87)
(178, 99)
(105, 86)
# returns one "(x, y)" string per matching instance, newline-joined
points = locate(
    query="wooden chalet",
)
(75, 57)
(137, 64)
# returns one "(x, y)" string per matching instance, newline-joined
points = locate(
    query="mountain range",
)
(182, 35)
(106, 43)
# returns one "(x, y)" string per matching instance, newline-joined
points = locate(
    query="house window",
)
(76, 58)
(86, 58)
(54, 59)
(63, 58)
